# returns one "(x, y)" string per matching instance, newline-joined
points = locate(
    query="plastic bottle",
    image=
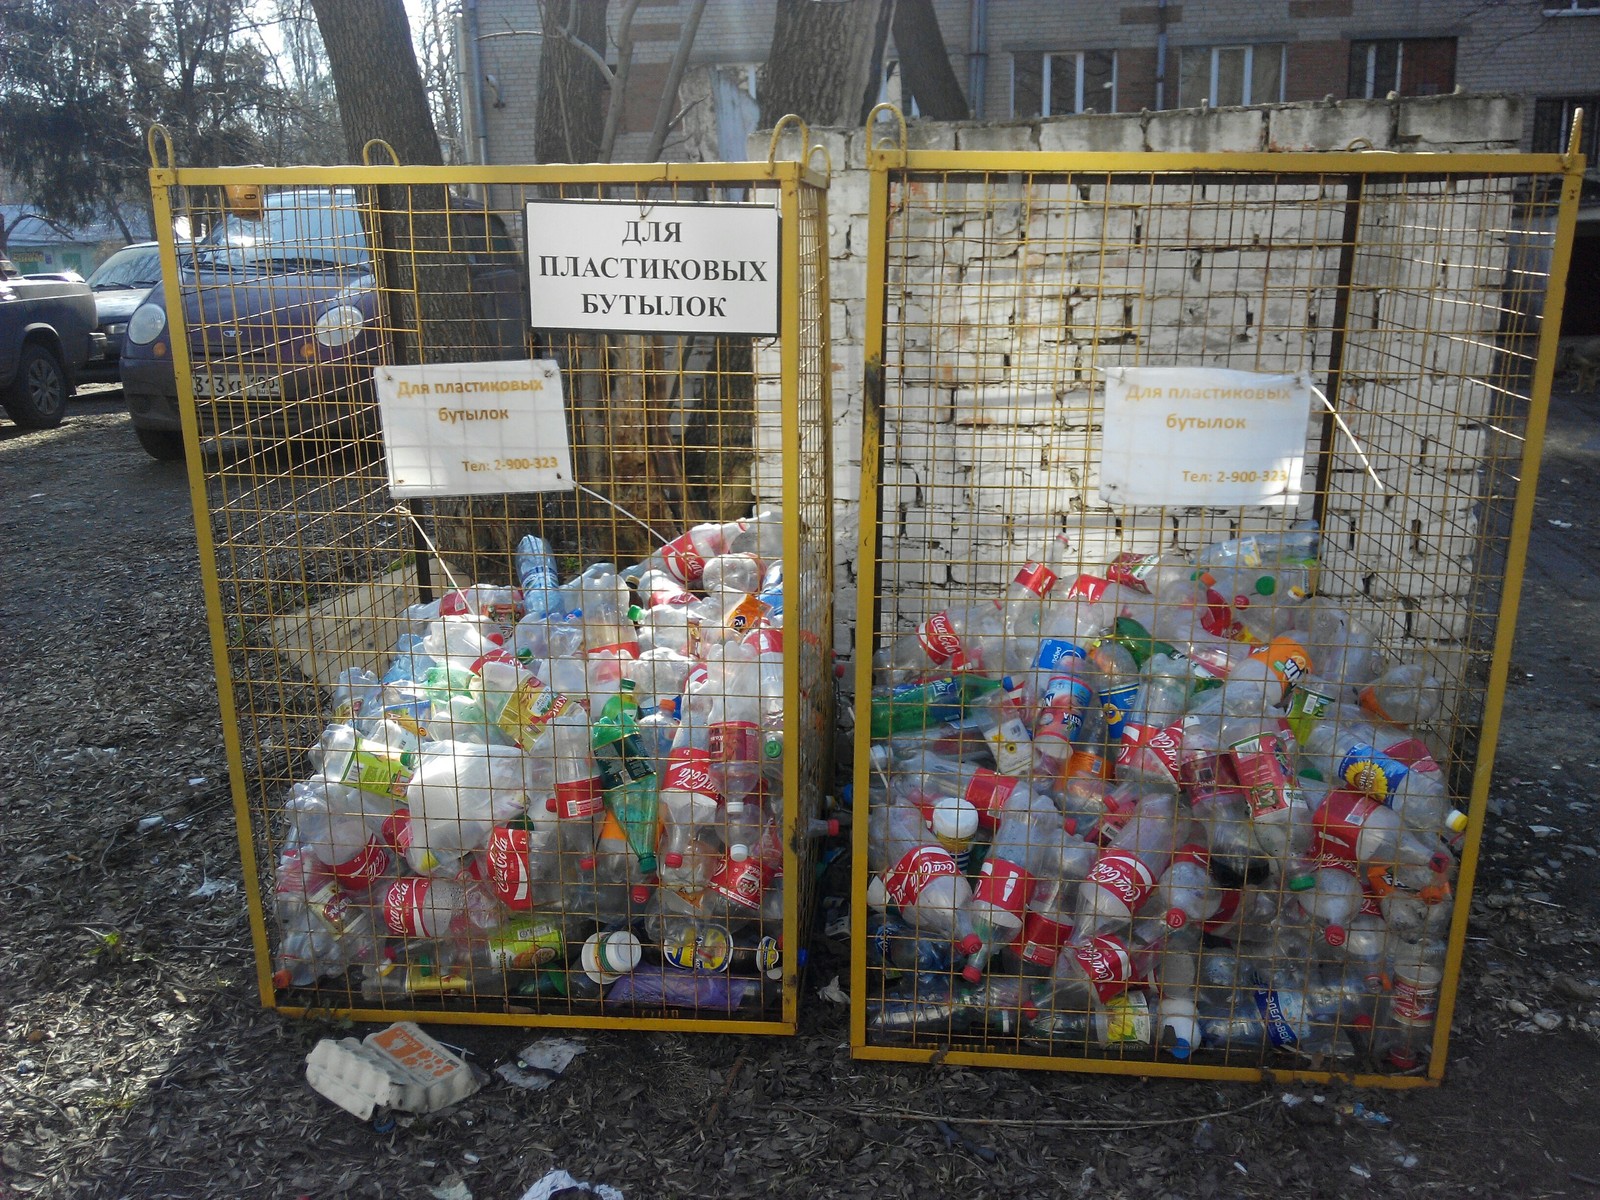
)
(733, 723)
(1119, 684)
(897, 708)
(1331, 902)
(438, 909)
(537, 575)
(1029, 833)
(578, 791)
(954, 822)
(1152, 736)
(761, 535)
(684, 558)
(1090, 972)
(1124, 875)
(1047, 923)
(1403, 695)
(1026, 595)
(965, 636)
(459, 792)
(356, 697)
(729, 572)
(1186, 896)
(1065, 689)
(350, 760)
(341, 841)
(920, 877)
(1405, 1033)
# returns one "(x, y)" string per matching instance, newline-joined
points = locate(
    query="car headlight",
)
(146, 324)
(340, 325)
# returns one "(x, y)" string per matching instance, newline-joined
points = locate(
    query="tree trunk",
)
(572, 89)
(826, 62)
(423, 281)
(925, 69)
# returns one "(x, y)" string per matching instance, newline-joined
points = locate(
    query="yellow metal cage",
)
(312, 568)
(1421, 295)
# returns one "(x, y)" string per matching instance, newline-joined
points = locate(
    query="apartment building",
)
(1029, 58)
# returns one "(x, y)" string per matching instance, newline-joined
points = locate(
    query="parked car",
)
(120, 285)
(47, 333)
(283, 333)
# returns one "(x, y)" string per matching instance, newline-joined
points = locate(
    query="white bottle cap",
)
(954, 819)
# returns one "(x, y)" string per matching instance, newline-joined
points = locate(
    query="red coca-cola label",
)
(333, 906)
(734, 742)
(1037, 578)
(1129, 570)
(1203, 775)
(508, 867)
(454, 604)
(907, 879)
(396, 831)
(940, 642)
(765, 640)
(1005, 885)
(742, 883)
(1413, 754)
(682, 560)
(1337, 825)
(988, 792)
(1227, 909)
(1165, 744)
(404, 907)
(1414, 1002)
(1108, 963)
(1087, 587)
(1194, 853)
(689, 770)
(1124, 876)
(579, 798)
(1042, 939)
(359, 871)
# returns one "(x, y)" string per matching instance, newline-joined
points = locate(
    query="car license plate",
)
(223, 384)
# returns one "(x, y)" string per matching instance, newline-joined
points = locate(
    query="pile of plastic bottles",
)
(1159, 805)
(561, 790)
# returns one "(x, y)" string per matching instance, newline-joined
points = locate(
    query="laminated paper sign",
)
(1203, 436)
(474, 429)
(653, 268)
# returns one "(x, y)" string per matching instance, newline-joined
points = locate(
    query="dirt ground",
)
(136, 1061)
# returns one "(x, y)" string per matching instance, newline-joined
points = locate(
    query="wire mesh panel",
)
(1174, 734)
(553, 757)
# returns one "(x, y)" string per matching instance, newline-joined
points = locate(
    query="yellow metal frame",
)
(892, 161)
(789, 178)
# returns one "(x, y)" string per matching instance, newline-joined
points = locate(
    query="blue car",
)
(284, 332)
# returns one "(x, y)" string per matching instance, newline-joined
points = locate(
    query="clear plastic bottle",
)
(919, 877)
(1404, 695)
(459, 792)
(537, 575)
(1026, 595)
(684, 558)
(1404, 1035)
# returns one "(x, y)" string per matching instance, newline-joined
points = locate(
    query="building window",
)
(1552, 124)
(1228, 75)
(1572, 8)
(1409, 67)
(1058, 83)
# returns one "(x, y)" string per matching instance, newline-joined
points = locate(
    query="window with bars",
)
(1406, 66)
(1060, 82)
(1571, 8)
(1229, 75)
(1552, 124)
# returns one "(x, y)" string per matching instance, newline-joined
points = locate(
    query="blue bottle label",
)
(1117, 703)
(1279, 1031)
(1371, 771)
(1055, 651)
(1061, 708)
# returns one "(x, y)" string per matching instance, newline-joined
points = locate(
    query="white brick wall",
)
(990, 443)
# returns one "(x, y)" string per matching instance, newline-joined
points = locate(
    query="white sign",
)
(473, 429)
(1203, 436)
(653, 268)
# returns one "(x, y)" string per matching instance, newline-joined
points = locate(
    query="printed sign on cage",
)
(653, 268)
(474, 429)
(1203, 436)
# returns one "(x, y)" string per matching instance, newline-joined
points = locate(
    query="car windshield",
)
(299, 231)
(128, 269)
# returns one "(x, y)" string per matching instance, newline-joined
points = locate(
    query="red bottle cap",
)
(833, 826)
(673, 860)
(280, 979)
(972, 973)
(640, 893)
(1334, 935)
(1176, 918)
(970, 944)
(586, 863)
